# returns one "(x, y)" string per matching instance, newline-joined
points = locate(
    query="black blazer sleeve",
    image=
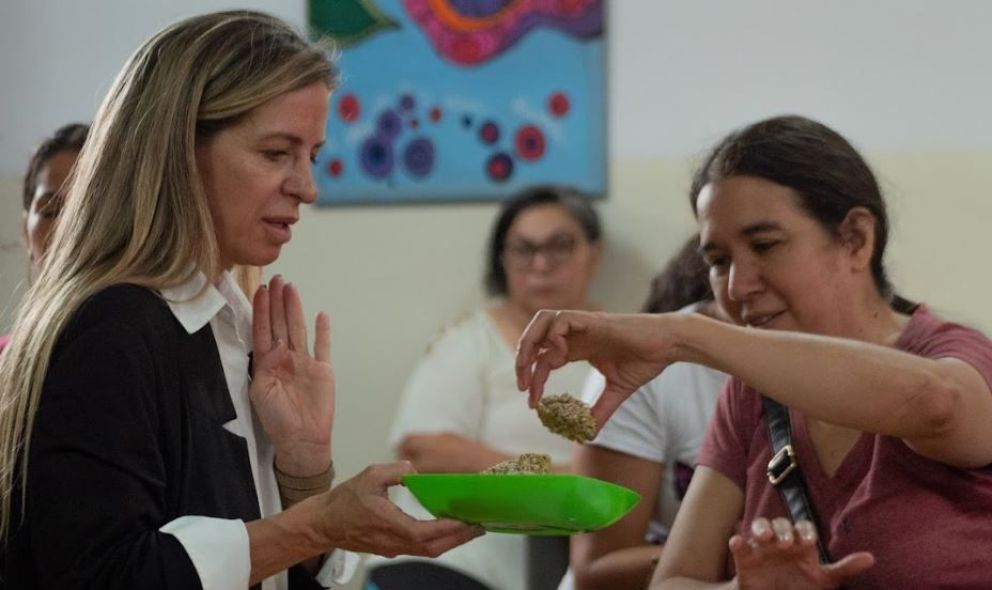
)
(96, 488)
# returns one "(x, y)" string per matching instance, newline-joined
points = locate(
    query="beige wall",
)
(13, 262)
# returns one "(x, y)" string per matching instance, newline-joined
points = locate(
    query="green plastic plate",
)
(525, 504)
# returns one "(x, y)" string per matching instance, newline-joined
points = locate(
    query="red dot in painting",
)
(529, 143)
(499, 167)
(413, 123)
(489, 133)
(335, 167)
(435, 114)
(349, 108)
(558, 104)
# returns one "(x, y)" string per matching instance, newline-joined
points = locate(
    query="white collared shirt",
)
(219, 547)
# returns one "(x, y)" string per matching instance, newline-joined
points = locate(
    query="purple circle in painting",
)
(418, 157)
(389, 124)
(407, 102)
(377, 156)
(499, 167)
(478, 8)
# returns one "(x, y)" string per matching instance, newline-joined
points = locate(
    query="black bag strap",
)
(783, 470)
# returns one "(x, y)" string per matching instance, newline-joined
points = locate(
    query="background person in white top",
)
(649, 444)
(197, 163)
(461, 411)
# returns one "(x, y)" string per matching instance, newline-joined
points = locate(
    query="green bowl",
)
(524, 504)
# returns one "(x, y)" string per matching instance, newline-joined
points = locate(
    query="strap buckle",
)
(781, 465)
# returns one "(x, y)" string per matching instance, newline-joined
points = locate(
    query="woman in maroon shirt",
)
(889, 405)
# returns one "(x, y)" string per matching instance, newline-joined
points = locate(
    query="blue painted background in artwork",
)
(447, 157)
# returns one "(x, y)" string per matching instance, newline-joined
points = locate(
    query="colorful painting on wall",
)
(460, 100)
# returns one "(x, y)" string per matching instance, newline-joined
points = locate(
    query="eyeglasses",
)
(557, 250)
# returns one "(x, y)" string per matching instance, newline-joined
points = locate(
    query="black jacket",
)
(128, 436)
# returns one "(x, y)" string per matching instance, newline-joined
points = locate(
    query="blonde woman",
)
(158, 430)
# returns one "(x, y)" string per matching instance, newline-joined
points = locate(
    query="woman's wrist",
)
(676, 330)
(690, 334)
(303, 460)
(294, 489)
(286, 538)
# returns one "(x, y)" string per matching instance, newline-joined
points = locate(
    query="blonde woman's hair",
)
(136, 211)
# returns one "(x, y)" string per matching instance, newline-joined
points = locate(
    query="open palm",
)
(292, 391)
(778, 554)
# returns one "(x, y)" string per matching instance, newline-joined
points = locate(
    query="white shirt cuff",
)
(218, 548)
(338, 568)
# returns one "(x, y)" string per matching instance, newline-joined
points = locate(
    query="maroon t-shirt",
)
(928, 524)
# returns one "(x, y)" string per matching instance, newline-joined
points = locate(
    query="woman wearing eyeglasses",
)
(461, 411)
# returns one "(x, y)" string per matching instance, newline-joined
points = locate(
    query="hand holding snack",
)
(566, 416)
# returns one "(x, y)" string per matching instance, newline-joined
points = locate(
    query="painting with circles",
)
(461, 100)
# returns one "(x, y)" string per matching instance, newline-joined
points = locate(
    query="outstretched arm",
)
(940, 407)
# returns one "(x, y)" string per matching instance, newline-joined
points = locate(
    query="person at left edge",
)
(45, 184)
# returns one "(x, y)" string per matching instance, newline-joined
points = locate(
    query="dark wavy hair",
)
(684, 280)
(829, 176)
(68, 138)
(577, 205)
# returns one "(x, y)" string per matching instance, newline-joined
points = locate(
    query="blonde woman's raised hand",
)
(778, 554)
(292, 390)
(628, 349)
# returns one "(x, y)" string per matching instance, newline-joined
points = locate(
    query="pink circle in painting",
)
(558, 104)
(335, 167)
(499, 167)
(349, 109)
(529, 143)
(489, 132)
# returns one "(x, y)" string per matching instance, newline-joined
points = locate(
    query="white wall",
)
(902, 75)
(905, 79)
